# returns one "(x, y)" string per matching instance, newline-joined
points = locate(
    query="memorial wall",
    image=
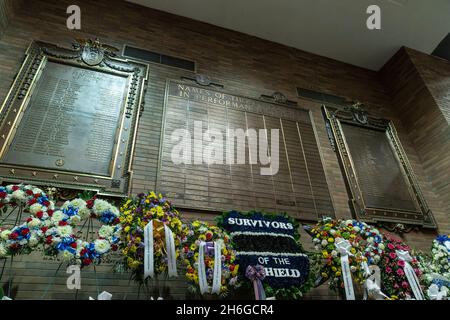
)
(244, 73)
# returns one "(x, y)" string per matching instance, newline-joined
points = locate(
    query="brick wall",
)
(420, 90)
(245, 65)
(5, 13)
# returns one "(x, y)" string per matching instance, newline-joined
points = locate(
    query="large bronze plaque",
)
(380, 177)
(70, 118)
(382, 185)
(71, 121)
(299, 187)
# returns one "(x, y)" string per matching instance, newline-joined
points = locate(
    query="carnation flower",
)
(84, 213)
(78, 203)
(100, 206)
(115, 211)
(101, 246)
(35, 208)
(34, 222)
(75, 219)
(66, 255)
(3, 251)
(19, 195)
(65, 231)
(57, 216)
(37, 191)
(33, 241)
(5, 234)
(400, 272)
(105, 231)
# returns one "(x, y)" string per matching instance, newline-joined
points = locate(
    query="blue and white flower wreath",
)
(54, 227)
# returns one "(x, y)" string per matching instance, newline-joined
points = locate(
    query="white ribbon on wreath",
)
(217, 272)
(202, 282)
(410, 274)
(372, 284)
(217, 280)
(344, 246)
(171, 253)
(434, 293)
(149, 261)
(149, 267)
(105, 295)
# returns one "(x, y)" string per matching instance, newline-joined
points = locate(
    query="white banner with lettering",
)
(171, 253)
(410, 274)
(149, 269)
(149, 260)
(202, 282)
(217, 280)
(343, 246)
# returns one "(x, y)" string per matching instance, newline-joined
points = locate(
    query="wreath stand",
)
(87, 227)
(18, 218)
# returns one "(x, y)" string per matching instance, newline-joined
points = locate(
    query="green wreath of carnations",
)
(53, 228)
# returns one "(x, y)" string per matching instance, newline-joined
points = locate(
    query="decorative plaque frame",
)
(97, 58)
(397, 215)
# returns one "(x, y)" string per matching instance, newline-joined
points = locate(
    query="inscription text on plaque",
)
(71, 121)
(70, 118)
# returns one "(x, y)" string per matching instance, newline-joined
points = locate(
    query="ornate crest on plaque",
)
(359, 114)
(70, 118)
(380, 180)
(279, 98)
(92, 51)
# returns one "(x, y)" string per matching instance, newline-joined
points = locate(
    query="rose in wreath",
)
(202, 234)
(366, 248)
(393, 278)
(136, 213)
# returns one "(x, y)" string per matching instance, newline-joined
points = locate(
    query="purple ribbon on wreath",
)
(256, 274)
(209, 248)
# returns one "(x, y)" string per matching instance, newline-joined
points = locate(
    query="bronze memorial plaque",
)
(379, 176)
(70, 118)
(71, 121)
(297, 187)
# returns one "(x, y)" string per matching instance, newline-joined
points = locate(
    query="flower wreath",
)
(267, 236)
(25, 237)
(367, 246)
(436, 267)
(196, 233)
(393, 279)
(136, 213)
(54, 227)
(440, 253)
(61, 241)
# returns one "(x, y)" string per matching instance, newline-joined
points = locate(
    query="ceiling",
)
(331, 28)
